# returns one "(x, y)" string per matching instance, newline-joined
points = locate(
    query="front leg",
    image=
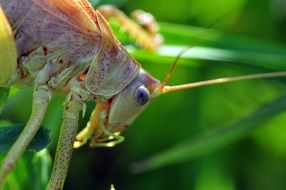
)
(96, 130)
(73, 105)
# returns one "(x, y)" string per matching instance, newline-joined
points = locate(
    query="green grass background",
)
(223, 137)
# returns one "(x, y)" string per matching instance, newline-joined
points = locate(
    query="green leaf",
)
(31, 172)
(213, 140)
(4, 92)
(42, 164)
(8, 136)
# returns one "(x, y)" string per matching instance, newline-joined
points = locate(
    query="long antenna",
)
(167, 89)
(163, 88)
(173, 66)
(191, 45)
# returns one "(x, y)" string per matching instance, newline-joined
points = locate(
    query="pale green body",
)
(8, 51)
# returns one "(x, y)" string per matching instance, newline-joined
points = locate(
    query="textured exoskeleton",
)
(67, 46)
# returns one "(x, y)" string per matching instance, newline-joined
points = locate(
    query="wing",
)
(80, 33)
(113, 68)
(67, 25)
(81, 14)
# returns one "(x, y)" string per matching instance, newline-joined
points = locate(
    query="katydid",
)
(67, 46)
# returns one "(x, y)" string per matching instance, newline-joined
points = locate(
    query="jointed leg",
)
(91, 127)
(84, 135)
(73, 106)
(96, 131)
(143, 28)
(41, 99)
(112, 140)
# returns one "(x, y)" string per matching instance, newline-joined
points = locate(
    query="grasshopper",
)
(66, 46)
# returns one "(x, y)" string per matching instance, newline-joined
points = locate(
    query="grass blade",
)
(167, 54)
(211, 45)
(213, 140)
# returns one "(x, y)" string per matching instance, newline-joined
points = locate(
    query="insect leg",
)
(96, 130)
(73, 105)
(41, 99)
(113, 138)
(92, 126)
(143, 28)
(102, 136)
(83, 136)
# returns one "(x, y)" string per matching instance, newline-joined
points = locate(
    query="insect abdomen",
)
(8, 52)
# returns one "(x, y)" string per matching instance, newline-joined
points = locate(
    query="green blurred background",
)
(223, 137)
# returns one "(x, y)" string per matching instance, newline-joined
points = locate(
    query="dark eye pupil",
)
(142, 95)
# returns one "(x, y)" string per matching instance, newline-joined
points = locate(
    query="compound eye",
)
(141, 95)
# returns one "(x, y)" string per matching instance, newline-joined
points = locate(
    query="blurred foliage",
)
(229, 38)
(4, 92)
(9, 134)
(31, 172)
(213, 139)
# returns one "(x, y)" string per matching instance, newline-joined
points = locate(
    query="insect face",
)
(131, 101)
